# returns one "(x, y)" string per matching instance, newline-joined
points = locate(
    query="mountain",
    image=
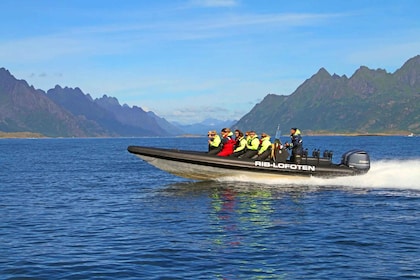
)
(170, 128)
(119, 120)
(108, 113)
(203, 127)
(370, 101)
(23, 108)
(68, 112)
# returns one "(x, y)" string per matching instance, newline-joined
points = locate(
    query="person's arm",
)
(264, 146)
(242, 145)
(255, 144)
(296, 140)
(215, 142)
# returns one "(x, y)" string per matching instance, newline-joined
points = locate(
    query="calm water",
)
(87, 209)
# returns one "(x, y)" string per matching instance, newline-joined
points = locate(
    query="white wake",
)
(401, 174)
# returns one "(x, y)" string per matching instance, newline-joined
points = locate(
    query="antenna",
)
(278, 132)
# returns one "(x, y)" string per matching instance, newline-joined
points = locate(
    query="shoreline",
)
(16, 135)
(11, 135)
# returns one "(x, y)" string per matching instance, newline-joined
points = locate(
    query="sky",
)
(190, 60)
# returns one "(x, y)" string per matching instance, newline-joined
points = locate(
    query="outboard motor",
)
(357, 159)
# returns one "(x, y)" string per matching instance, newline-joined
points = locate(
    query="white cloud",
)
(122, 37)
(194, 114)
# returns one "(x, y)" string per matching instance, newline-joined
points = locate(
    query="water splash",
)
(399, 174)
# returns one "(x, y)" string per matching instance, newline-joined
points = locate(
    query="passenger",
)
(296, 146)
(227, 143)
(240, 144)
(252, 145)
(279, 152)
(214, 143)
(264, 150)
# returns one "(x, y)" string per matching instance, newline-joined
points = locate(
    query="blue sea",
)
(88, 209)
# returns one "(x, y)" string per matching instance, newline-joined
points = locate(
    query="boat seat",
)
(316, 161)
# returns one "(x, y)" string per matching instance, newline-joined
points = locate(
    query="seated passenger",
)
(264, 150)
(252, 145)
(227, 143)
(279, 152)
(240, 144)
(214, 143)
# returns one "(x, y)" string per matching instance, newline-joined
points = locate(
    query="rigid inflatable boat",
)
(202, 166)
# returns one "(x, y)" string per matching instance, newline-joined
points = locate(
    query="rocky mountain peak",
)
(321, 74)
(370, 101)
(107, 101)
(409, 73)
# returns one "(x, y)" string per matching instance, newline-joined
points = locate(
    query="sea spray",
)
(400, 174)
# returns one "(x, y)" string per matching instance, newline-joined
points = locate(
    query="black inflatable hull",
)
(201, 166)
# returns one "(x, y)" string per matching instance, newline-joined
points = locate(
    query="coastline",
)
(11, 135)
(20, 135)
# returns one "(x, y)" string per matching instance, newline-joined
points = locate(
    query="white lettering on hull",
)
(281, 165)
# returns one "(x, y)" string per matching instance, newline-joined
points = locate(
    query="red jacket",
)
(228, 146)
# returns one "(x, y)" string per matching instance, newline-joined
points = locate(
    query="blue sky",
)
(188, 60)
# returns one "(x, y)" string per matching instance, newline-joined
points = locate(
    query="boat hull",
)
(201, 166)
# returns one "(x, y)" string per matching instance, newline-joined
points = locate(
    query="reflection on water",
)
(236, 213)
(242, 220)
(191, 188)
(263, 231)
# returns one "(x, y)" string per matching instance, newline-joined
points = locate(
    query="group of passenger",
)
(250, 146)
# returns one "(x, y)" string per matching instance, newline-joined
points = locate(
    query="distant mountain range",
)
(107, 112)
(370, 101)
(68, 112)
(203, 127)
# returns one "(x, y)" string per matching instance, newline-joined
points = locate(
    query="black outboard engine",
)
(357, 159)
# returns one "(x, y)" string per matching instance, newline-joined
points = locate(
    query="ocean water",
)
(88, 209)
